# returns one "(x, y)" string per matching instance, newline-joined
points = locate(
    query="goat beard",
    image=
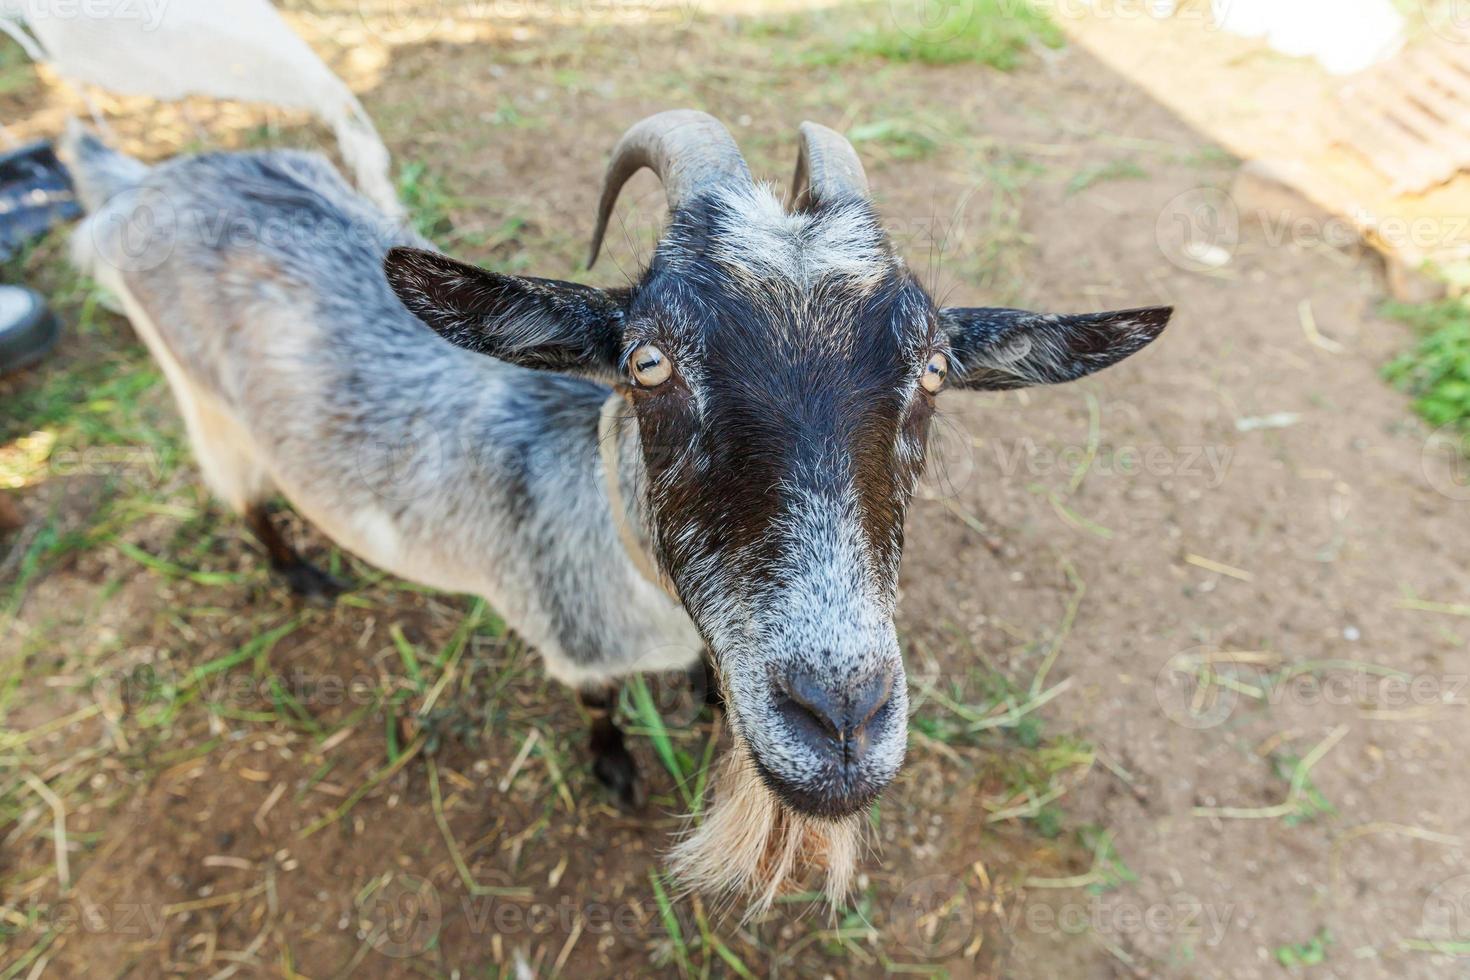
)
(751, 844)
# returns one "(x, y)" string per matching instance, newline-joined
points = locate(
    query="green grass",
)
(900, 137)
(1108, 867)
(427, 199)
(95, 411)
(17, 74)
(432, 207)
(1436, 370)
(1103, 172)
(646, 712)
(996, 33)
(1308, 801)
(1310, 953)
(102, 403)
(1026, 771)
(678, 950)
(99, 389)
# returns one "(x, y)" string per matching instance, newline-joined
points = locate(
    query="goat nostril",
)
(841, 710)
(870, 697)
(804, 691)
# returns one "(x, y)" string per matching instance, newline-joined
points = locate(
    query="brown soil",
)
(1036, 556)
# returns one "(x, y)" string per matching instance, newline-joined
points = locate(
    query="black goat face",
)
(783, 434)
(783, 369)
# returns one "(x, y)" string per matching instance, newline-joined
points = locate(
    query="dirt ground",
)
(1187, 641)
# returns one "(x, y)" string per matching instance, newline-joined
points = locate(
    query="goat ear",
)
(995, 349)
(538, 323)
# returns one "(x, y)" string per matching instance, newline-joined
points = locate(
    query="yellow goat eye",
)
(650, 367)
(934, 373)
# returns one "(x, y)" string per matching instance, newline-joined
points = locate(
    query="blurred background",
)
(1187, 641)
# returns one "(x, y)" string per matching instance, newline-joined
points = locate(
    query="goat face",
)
(783, 434)
(783, 369)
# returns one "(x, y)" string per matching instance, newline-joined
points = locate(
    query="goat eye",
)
(934, 373)
(650, 367)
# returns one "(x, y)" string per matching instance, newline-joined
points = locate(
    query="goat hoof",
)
(618, 773)
(312, 584)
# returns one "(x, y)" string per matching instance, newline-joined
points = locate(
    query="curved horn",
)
(827, 168)
(688, 150)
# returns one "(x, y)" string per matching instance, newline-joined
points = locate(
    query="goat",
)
(716, 460)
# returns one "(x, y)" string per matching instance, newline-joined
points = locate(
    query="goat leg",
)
(612, 763)
(301, 576)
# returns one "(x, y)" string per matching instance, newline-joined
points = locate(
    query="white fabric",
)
(1345, 36)
(225, 49)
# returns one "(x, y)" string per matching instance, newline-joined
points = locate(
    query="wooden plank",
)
(1337, 153)
(1420, 139)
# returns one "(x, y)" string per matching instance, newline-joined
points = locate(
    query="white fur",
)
(762, 241)
(831, 619)
(749, 844)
